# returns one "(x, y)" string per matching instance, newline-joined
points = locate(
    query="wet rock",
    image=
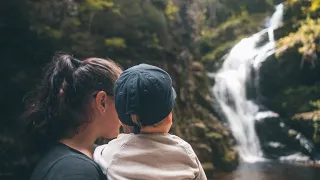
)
(309, 125)
(225, 160)
(278, 140)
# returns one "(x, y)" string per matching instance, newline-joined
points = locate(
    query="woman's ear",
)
(101, 101)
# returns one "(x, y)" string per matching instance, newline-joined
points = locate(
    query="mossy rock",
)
(224, 158)
(211, 140)
(310, 122)
(208, 169)
(215, 136)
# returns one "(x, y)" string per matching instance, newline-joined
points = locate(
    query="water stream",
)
(270, 171)
(230, 89)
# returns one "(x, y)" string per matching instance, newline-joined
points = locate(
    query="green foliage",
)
(300, 99)
(171, 10)
(315, 104)
(215, 42)
(315, 6)
(297, 52)
(115, 42)
(97, 4)
(306, 37)
(303, 17)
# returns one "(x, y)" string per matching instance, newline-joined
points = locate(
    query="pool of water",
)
(271, 171)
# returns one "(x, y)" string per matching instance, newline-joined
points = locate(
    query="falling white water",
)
(230, 87)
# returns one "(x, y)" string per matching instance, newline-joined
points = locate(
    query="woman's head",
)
(72, 96)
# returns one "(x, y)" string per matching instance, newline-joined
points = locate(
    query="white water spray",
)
(230, 88)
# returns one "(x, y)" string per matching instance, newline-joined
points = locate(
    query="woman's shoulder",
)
(75, 167)
(62, 163)
(64, 155)
(76, 161)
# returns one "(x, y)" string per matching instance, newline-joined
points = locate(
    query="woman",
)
(73, 107)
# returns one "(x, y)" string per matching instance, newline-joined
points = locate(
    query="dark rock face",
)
(287, 86)
(277, 139)
(308, 124)
(288, 90)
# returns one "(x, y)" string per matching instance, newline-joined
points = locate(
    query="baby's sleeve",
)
(99, 158)
(201, 175)
(103, 155)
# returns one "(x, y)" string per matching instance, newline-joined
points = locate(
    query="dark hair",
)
(59, 106)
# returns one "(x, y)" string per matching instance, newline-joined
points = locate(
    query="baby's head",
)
(144, 98)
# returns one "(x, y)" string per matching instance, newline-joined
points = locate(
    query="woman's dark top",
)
(65, 163)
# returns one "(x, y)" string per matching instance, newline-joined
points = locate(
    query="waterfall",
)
(230, 89)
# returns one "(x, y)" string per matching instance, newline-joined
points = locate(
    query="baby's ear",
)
(169, 118)
(166, 121)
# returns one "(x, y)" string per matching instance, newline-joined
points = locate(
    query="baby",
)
(144, 99)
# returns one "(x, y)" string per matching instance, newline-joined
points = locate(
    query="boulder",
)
(278, 140)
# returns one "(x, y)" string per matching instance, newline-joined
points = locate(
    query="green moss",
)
(215, 136)
(115, 42)
(215, 42)
(221, 50)
(99, 4)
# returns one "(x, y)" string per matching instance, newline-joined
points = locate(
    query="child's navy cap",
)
(146, 91)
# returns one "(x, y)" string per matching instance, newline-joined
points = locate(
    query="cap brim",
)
(174, 94)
